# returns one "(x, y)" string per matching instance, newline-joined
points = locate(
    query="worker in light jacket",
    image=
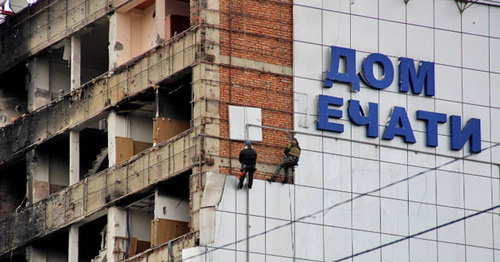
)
(248, 159)
(292, 154)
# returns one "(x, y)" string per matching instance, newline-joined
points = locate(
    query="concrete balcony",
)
(106, 188)
(85, 104)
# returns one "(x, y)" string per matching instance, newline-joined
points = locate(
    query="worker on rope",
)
(248, 158)
(292, 154)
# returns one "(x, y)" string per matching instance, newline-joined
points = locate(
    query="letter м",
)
(408, 77)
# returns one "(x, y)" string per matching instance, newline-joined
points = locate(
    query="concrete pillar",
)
(37, 168)
(160, 20)
(34, 254)
(74, 157)
(116, 227)
(38, 83)
(113, 31)
(74, 177)
(73, 244)
(118, 125)
(75, 62)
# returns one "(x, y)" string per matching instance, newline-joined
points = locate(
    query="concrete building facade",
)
(122, 120)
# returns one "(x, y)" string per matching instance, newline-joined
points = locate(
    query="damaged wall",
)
(46, 23)
(255, 71)
(23, 226)
(97, 192)
(161, 252)
(91, 100)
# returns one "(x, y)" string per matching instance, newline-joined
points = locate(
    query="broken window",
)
(13, 95)
(94, 50)
(150, 117)
(136, 117)
(174, 109)
(92, 240)
(59, 71)
(52, 247)
(49, 75)
(171, 210)
(50, 72)
(176, 17)
(139, 216)
(131, 228)
(51, 166)
(138, 28)
(93, 150)
(12, 188)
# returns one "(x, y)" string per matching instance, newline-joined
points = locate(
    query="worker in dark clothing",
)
(292, 154)
(248, 158)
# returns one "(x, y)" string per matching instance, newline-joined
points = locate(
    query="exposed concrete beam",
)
(131, 4)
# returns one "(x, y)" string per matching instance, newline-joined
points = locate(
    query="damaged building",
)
(121, 123)
(114, 119)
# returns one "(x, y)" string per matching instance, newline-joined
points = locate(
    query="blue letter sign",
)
(432, 120)
(357, 117)
(350, 75)
(471, 131)
(388, 69)
(408, 77)
(399, 124)
(325, 113)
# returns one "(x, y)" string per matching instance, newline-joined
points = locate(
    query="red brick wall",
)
(259, 30)
(194, 12)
